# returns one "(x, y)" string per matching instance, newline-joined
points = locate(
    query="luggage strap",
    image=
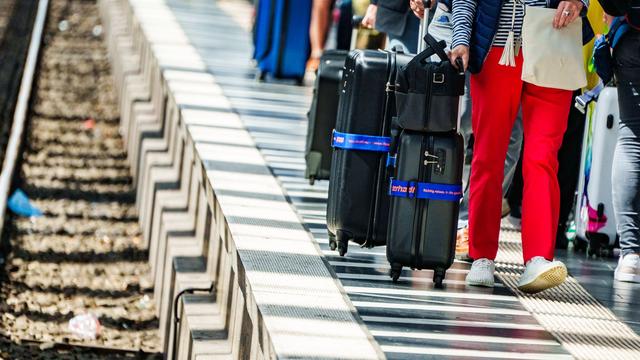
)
(583, 100)
(431, 191)
(348, 141)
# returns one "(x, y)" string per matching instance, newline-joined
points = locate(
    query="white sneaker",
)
(542, 274)
(481, 273)
(628, 269)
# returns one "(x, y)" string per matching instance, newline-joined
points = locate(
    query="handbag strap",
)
(437, 47)
(434, 48)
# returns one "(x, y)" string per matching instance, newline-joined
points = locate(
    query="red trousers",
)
(497, 93)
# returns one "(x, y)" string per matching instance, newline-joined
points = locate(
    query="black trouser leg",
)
(568, 171)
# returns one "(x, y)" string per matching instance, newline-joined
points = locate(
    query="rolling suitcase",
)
(357, 207)
(595, 222)
(323, 112)
(322, 115)
(428, 159)
(281, 38)
(425, 199)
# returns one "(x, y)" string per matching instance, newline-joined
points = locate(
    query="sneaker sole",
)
(547, 280)
(481, 284)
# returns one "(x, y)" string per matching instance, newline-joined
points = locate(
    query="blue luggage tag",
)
(348, 141)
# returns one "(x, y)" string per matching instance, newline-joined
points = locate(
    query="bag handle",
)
(438, 47)
(435, 47)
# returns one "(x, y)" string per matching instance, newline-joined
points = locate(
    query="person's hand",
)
(369, 20)
(461, 52)
(417, 6)
(568, 11)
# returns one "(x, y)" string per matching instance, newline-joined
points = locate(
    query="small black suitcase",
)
(322, 115)
(425, 196)
(357, 207)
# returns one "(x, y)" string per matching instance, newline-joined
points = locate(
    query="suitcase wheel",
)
(598, 245)
(579, 244)
(312, 180)
(332, 242)
(438, 278)
(396, 271)
(342, 239)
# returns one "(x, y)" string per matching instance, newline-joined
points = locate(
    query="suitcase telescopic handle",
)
(424, 26)
(356, 21)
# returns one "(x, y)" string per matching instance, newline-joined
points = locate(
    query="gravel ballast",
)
(85, 255)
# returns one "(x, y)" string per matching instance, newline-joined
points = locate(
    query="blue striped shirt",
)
(464, 12)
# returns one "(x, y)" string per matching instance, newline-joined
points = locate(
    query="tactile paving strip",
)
(586, 328)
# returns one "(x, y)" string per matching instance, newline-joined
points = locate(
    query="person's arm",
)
(463, 13)
(615, 7)
(369, 19)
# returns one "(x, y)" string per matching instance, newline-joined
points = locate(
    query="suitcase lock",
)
(430, 159)
(439, 160)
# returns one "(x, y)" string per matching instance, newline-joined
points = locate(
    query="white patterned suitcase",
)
(595, 221)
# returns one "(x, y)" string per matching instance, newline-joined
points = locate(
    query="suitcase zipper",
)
(349, 63)
(422, 205)
(382, 168)
(417, 213)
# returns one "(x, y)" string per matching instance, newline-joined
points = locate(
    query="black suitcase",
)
(322, 115)
(358, 207)
(425, 196)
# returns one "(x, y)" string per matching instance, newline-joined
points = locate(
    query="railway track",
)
(84, 255)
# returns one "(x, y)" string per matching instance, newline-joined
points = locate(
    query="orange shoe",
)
(462, 244)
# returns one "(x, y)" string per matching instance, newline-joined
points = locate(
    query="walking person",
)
(318, 30)
(482, 31)
(441, 28)
(395, 18)
(626, 163)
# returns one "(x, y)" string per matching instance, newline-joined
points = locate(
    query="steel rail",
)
(21, 109)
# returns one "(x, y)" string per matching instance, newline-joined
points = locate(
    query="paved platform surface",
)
(589, 317)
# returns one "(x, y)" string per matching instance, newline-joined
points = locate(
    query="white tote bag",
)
(552, 57)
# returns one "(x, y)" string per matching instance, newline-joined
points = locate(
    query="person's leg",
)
(493, 115)
(318, 28)
(568, 170)
(409, 39)
(626, 183)
(545, 113)
(626, 163)
(513, 154)
(544, 117)
(465, 129)
(514, 194)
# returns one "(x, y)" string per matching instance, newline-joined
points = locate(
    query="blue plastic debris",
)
(20, 205)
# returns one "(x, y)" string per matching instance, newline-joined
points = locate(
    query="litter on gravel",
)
(85, 326)
(20, 205)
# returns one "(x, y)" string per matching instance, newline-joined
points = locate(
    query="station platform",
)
(300, 298)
